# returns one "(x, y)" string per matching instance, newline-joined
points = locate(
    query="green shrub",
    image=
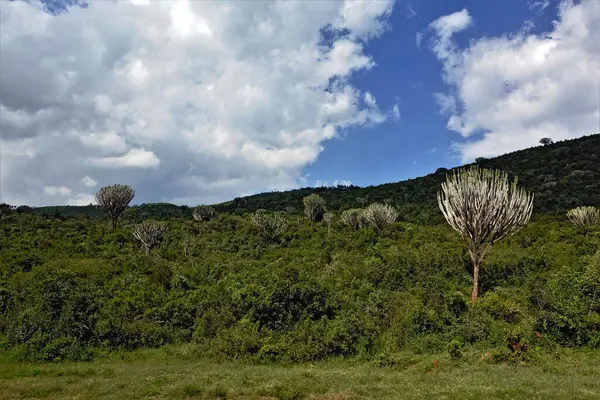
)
(455, 350)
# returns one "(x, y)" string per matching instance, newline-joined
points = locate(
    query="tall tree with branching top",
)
(204, 213)
(314, 207)
(114, 199)
(483, 207)
(150, 234)
(584, 218)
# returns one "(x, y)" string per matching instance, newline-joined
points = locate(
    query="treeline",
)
(563, 175)
(277, 286)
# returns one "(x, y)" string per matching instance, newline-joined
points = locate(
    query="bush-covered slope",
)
(69, 289)
(562, 175)
(72, 287)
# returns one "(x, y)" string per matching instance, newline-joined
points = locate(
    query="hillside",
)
(75, 289)
(562, 175)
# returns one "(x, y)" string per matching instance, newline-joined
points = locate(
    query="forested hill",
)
(562, 175)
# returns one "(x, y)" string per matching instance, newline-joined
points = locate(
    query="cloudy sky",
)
(199, 102)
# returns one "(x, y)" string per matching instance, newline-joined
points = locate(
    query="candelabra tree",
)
(483, 206)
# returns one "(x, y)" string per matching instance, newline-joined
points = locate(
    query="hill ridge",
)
(562, 175)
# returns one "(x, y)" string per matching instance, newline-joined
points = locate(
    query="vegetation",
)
(72, 289)
(379, 216)
(182, 373)
(483, 207)
(113, 200)
(388, 288)
(314, 207)
(584, 218)
(150, 234)
(269, 226)
(353, 218)
(204, 213)
(563, 175)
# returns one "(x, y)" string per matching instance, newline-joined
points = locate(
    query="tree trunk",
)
(147, 250)
(476, 263)
(114, 223)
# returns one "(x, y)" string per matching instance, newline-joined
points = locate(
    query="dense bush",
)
(70, 288)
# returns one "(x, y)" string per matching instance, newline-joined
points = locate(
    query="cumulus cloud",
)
(187, 101)
(82, 199)
(89, 182)
(57, 190)
(508, 92)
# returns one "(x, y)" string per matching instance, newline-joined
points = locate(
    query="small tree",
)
(328, 218)
(379, 216)
(362, 201)
(114, 199)
(314, 207)
(353, 218)
(546, 141)
(483, 207)
(5, 209)
(150, 234)
(584, 218)
(204, 213)
(269, 226)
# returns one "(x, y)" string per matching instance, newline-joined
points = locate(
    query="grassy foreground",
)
(173, 373)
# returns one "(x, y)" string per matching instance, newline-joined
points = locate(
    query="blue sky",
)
(419, 142)
(196, 102)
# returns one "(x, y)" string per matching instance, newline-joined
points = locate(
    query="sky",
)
(198, 102)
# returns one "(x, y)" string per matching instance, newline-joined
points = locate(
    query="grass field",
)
(175, 373)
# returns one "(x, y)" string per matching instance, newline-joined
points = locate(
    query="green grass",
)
(177, 373)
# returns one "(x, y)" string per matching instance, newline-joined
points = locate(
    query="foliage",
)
(150, 234)
(379, 216)
(71, 288)
(584, 218)
(353, 218)
(454, 350)
(562, 175)
(328, 218)
(113, 200)
(270, 226)
(314, 207)
(204, 213)
(483, 207)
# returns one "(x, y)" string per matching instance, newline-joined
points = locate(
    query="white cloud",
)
(89, 182)
(183, 100)
(418, 38)
(57, 190)
(538, 5)
(396, 112)
(337, 182)
(82, 199)
(410, 11)
(446, 103)
(134, 158)
(370, 100)
(512, 90)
